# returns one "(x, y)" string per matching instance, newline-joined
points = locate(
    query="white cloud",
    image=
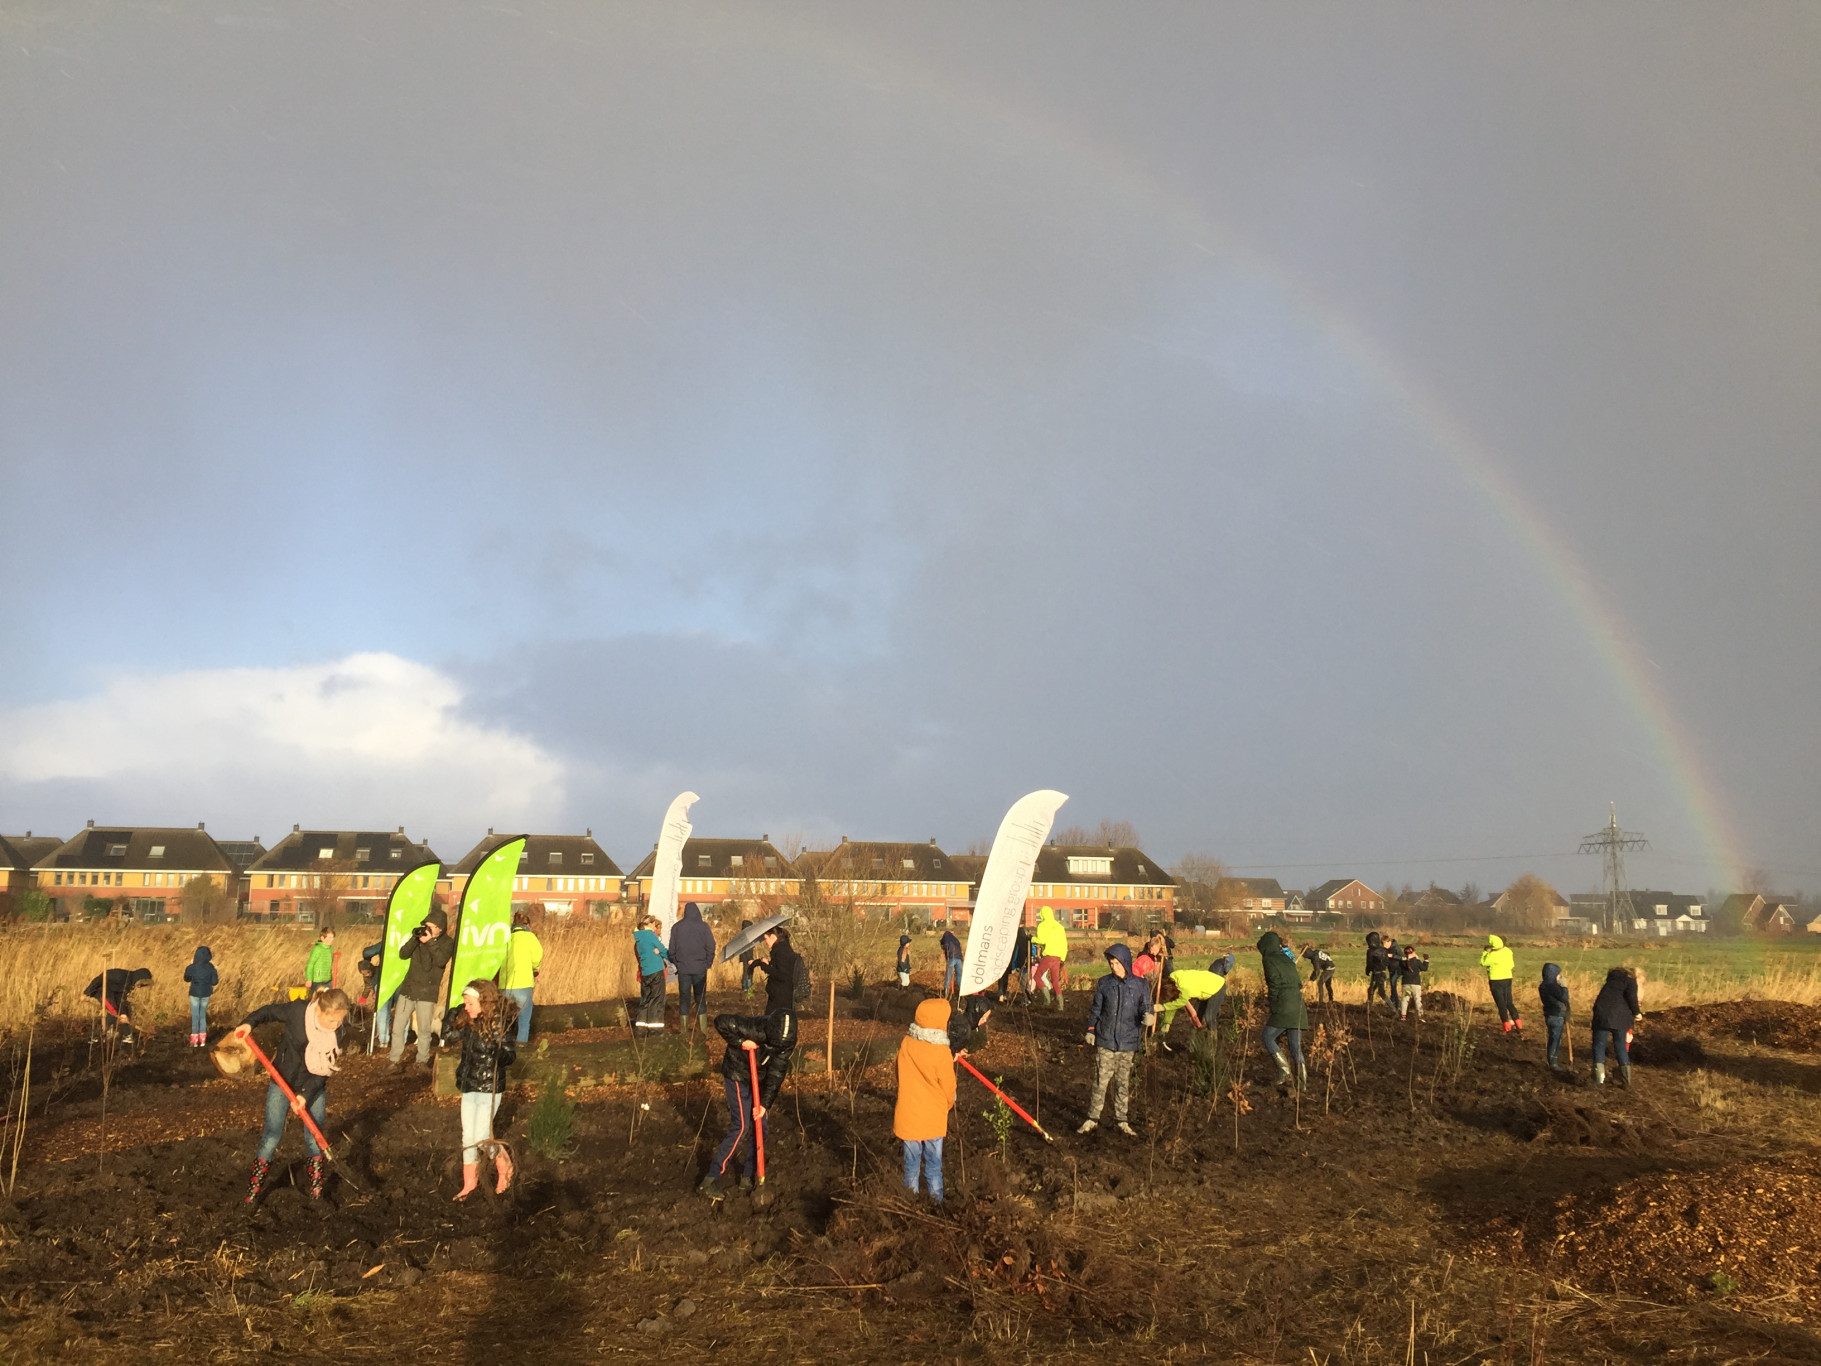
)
(367, 739)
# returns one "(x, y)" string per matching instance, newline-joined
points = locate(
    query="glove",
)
(1090, 1038)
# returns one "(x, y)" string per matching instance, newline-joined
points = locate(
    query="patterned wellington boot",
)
(317, 1173)
(260, 1167)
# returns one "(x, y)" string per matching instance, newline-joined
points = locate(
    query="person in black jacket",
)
(971, 1013)
(952, 956)
(306, 1057)
(904, 959)
(771, 1038)
(1615, 1011)
(420, 996)
(118, 1007)
(1554, 995)
(1321, 971)
(746, 960)
(1018, 963)
(203, 978)
(1377, 969)
(692, 954)
(486, 1030)
(781, 966)
(1410, 983)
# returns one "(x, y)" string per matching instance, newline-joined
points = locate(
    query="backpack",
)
(799, 985)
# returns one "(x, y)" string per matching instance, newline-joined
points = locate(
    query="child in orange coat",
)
(926, 1093)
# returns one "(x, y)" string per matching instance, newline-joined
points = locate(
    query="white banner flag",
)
(999, 907)
(667, 864)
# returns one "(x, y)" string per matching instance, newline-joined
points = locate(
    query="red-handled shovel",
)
(1015, 1107)
(290, 1096)
(758, 1125)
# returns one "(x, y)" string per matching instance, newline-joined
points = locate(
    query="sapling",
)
(999, 1120)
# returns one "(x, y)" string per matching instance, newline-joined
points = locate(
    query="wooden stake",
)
(831, 1022)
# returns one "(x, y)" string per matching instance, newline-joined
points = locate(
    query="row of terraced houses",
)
(160, 873)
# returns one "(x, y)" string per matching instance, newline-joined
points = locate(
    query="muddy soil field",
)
(1436, 1196)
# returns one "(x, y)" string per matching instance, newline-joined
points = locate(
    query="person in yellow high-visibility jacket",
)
(1196, 990)
(518, 974)
(1052, 943)
(1498, 962)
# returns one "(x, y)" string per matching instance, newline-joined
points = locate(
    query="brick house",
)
(887, 878)
(18, 855)
(1256, 896)
(716, 870)
(562, 873)
(147, 868)
(1090, 886)
(315, 875)
(1344, 896)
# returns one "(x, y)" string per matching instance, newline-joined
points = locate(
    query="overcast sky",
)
(1308, 432)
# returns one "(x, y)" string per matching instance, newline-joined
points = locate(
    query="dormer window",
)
(704, 861)
(936, 863)
(771, 864)
(157, 851)
(362, 855)
(1082, 865)
(556, 858)
(737, 860)
(587, 858)
(325, 853)
(116, 850)
(1143, 871)
(397, 854)
(910, 865)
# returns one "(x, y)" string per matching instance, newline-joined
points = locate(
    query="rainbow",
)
(1632, 675)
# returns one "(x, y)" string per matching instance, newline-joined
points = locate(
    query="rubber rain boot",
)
(316, 1173)
(745, 1182)
(1625, 1075)
(261, 1168)
(471, 1180)
(1302, 1076)
(711, 1188)
(502, 1164)
(1599, 1074)
(1283, 1071)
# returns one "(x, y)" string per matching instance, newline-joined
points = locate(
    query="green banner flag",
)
(412, 896)
(485, 925)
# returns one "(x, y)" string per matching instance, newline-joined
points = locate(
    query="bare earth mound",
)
(1774, 1024)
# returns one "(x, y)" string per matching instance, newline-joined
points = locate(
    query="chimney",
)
(490, 832)
(590, 833)
(200, 826)
(91, 825)
(295, 827)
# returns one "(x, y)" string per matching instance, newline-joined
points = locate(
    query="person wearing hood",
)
(1498, 962)
(1117, 1021)
(969, 1013)
(316, 1031)
(904, 961)
(518, 974)
(1378, 969)
(420, 996)
(1288, 1015)
(926, 1093)
(202, 977)
(952, 955)
(1321, 971)
(1052, 942)
(1554, 994)
(648, 949)
(1615, 1011)
(1195, 991)
(116, 1001)
(692, 949)
(771, 1038)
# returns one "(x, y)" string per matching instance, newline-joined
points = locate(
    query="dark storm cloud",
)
(864, 415)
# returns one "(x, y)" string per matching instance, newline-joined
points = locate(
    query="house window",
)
(397, 853)
(910, 864)
(936, 863)
(362, 855)
(157, 851)
(556, 858)
(703, 861)
(587, 858)
(1142, 872)
(115, 850)
(325, 853)
(1081, 865)
(268, 881)
(737, 860)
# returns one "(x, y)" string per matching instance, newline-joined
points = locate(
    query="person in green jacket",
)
(1288, 1015)
(1497, 960)
(1051, 945)
(319, 971)
(518, 975)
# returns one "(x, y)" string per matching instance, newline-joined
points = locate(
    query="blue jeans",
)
(739, 1128)
(523, 996)
(199, 1014)
(951, 974)
(382, 1032)
(924, 1155)
(745, 975)
(1270, 1034)
(692, 995)
(1556, 1026)
(277, 1109)
(1621, 1049)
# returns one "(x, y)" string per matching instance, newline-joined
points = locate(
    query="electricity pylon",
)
(1611, 844)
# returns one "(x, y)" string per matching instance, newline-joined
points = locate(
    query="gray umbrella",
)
(752, 934)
